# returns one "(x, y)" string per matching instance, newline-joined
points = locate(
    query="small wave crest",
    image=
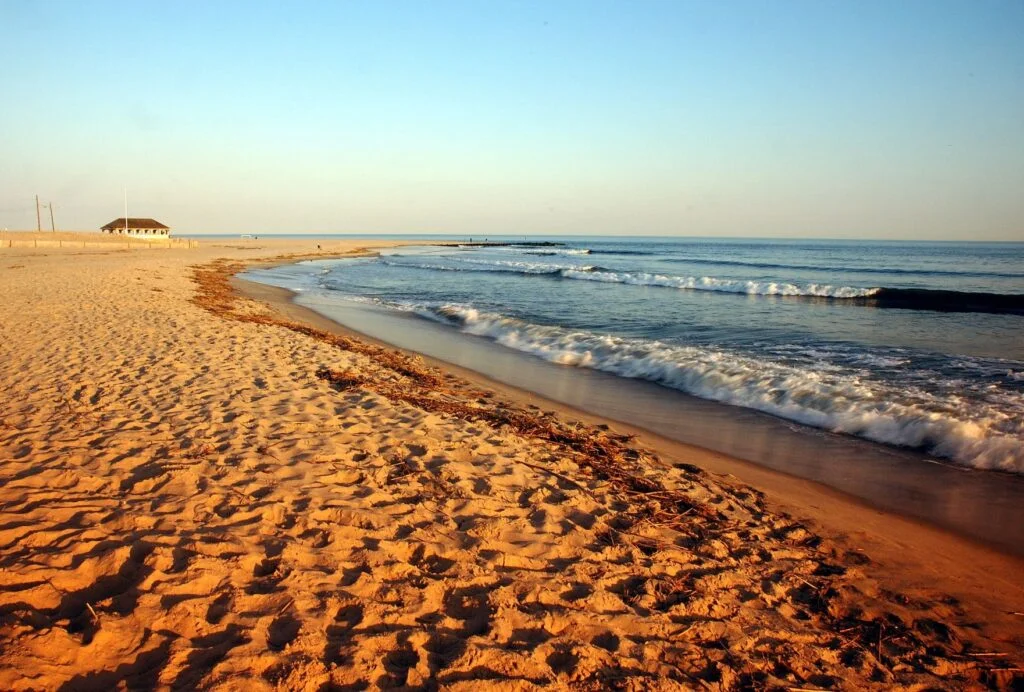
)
(567, 252)
(710, 283)
(527, 267)
(459, 265)
(966, 432)
(586, 272)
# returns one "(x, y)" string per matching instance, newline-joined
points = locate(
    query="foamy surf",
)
(710, 283)
(834, 399)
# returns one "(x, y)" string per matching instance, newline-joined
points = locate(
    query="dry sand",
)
(192, 496)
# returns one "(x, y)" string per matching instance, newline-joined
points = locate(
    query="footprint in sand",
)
(471, 605)
(282, 631)
(219, 608)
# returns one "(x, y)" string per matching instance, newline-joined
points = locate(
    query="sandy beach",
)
(201, 488)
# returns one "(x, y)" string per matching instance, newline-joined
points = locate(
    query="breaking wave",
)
(472, 265)
(836, 399)
(568, 252)
(710, 283)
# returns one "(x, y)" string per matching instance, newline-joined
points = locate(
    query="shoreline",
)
(919, 555)
(201, 492)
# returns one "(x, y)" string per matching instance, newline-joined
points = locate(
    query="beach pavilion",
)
(143, 228)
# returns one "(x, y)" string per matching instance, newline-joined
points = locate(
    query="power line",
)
(39, 218)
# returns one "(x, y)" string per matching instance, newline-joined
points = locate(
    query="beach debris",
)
(606, 456)
(198, 451)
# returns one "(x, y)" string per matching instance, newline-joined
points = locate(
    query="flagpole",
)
(126, 210)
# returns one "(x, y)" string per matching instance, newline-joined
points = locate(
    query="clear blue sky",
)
(770, 118)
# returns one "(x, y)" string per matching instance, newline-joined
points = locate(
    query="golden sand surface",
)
(199, 491)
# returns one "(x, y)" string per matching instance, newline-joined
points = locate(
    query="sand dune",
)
(187, 501)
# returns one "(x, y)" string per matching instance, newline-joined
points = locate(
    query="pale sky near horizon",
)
(660, 117)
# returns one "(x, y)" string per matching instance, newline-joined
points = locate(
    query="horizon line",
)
(482, 238)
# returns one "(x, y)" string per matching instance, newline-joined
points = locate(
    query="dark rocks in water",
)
(934, 300)
(944, 301)
(524, 243)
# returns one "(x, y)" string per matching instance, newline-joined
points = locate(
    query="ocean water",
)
(913, 345)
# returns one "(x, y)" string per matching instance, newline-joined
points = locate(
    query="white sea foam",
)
(526, 267)
(568, 252)
(970, 433)
(458, 264)
(709, 283)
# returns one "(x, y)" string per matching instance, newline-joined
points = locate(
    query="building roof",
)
(132, 223)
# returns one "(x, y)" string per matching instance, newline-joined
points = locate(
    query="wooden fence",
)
(71, 240)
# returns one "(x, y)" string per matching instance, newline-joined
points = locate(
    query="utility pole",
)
(39, 219)
(53, 226)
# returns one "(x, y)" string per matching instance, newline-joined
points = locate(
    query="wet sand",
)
(204, 491)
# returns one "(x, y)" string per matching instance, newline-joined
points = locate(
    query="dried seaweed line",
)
(599, 453)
